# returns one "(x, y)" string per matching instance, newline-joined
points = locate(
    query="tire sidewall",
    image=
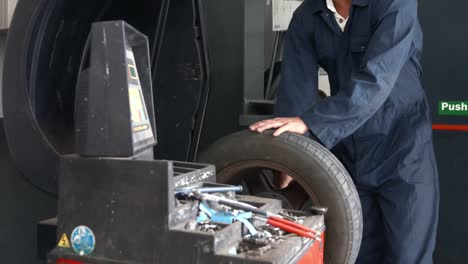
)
(313, 165)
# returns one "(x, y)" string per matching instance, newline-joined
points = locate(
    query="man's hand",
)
(293, 124)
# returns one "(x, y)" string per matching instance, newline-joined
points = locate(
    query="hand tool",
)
(272, 219)
(226, 217)
(211, 189)
(318, 210)
(221, 189)
(234, 204)
(292, 227)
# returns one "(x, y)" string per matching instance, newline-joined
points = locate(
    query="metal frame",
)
(256, 106)
(259, 92)
(7, 7)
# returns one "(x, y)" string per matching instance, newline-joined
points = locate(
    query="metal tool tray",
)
(131, 208)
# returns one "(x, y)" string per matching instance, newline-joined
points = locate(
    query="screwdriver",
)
(211, 189)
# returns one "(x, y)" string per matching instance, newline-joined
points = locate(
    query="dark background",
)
(445, 66)
(446, 78)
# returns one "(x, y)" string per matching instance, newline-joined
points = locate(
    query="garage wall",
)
(445, 65)
(2, 55)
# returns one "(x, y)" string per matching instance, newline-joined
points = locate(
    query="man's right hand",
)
(289, 124)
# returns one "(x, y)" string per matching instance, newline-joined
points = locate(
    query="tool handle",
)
(291, 229)
(241, 206)
(237, 205)
(293, 224)
(221, 189)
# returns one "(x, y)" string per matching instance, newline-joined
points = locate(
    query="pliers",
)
(292, 227)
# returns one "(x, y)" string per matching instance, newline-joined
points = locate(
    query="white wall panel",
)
(7, 7)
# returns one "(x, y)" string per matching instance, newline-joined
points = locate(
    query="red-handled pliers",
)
(292, 227)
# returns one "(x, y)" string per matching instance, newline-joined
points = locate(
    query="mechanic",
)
(377, 120)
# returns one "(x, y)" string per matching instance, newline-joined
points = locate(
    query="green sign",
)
(459, 108)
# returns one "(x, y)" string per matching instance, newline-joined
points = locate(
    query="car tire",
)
(313, 166)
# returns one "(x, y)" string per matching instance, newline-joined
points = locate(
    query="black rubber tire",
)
(317, 170)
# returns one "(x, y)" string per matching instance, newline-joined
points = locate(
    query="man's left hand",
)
(293, 125)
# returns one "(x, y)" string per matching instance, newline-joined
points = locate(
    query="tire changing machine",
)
(115, 189)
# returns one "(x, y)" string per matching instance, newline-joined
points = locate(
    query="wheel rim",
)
(253, 176)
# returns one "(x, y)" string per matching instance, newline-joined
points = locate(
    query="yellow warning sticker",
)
(64, 243)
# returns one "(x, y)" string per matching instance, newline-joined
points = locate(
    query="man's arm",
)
(339, 116)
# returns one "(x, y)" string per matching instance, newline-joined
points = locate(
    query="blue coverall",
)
(377, 120)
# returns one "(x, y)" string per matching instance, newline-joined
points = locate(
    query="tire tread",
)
(341, 182)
